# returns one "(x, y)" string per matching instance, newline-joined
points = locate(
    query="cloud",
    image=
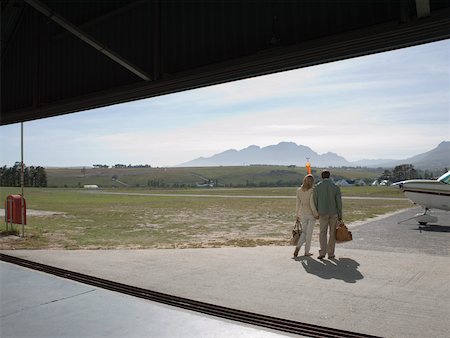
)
(345, 131)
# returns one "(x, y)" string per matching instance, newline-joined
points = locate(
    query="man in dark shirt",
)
(328, 202)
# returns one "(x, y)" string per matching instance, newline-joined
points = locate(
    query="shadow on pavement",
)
(345, 269)
(433, 228)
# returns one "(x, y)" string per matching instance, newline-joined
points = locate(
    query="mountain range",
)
(290, 153)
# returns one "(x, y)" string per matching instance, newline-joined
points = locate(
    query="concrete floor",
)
(34, 304)
(392, 280)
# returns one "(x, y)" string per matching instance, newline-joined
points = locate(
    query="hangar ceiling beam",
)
(107, 16)
(423, 8)
(39, 6)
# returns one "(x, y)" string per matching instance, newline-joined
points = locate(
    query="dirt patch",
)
(4, 238)
(32, 212)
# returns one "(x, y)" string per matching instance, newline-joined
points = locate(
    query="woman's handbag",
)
(296, 232)
(343, 234)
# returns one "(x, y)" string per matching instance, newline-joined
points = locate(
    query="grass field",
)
(367, 191)
(170, 177)
(90, 220)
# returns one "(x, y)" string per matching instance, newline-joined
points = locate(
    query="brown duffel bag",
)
(343, 234)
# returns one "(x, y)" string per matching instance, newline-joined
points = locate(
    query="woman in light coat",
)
(306, 213)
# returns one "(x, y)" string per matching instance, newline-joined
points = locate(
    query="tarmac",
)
(392, 280)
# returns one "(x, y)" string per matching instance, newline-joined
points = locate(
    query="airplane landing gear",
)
(422, 219)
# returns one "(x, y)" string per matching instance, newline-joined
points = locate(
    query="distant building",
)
(382, 182)
(343, 183)
(350, 183)
(360, 183)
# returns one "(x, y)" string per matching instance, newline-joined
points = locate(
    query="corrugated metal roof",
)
(47, 71)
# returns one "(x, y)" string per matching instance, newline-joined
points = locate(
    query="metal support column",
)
(22, 211)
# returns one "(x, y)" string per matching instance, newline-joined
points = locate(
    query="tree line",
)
(32, 176)
(408, 172)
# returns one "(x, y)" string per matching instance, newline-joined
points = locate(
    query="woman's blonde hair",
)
(308, 182)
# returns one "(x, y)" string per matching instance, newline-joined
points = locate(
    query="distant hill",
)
(284, 153)
(289, 153)
(371, 163)
(436, 158)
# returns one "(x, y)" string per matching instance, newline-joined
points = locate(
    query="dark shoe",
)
(331, 257)
(308, 254)
(320, 257)
(296, 252)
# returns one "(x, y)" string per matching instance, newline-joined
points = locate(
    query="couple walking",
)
(323, 202)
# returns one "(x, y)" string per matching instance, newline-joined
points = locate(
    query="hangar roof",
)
(61, 56)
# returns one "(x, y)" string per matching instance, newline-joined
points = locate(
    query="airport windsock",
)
(308, 167)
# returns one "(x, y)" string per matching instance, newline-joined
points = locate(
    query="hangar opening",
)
(88, 56)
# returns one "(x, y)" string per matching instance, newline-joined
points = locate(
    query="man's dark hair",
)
(325, 174)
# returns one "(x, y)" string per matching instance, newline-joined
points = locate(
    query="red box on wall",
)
(13, 209)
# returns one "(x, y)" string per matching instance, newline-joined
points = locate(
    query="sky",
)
(390, 105)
